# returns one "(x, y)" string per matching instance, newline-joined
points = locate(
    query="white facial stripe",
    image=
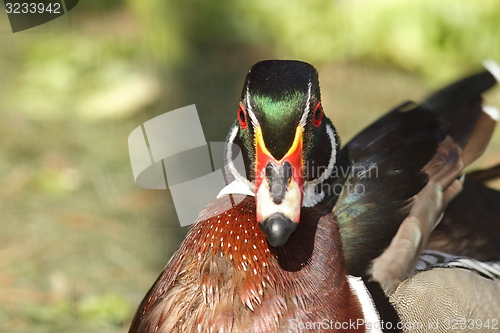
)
(290, 206)
(307, 110)
(249, 110)
(331, 163)
(311, 197)
(230, 163)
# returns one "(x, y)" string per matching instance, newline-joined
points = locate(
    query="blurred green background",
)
(80, 243)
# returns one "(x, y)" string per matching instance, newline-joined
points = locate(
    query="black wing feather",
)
(391, 155)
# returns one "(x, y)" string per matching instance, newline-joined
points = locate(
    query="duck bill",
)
(279, 189)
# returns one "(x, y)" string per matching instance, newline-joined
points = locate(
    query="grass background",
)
(80, 243)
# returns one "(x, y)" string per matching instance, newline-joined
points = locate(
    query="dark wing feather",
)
(485, 175)
(388, 163)
(471, 223)
(385, 163)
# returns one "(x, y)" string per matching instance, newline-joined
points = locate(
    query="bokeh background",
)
(80, 243)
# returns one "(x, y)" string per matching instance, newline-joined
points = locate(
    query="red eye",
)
(242, 117)
(317, 114)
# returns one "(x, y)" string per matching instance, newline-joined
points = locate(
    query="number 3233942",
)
(32, 8)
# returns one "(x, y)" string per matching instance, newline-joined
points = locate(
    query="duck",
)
(311, 230)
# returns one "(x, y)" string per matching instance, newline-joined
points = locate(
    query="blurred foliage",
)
(432, 38)
(93, 313)
(81, 244)
(96, 71)
(110, 308)
(103, 6)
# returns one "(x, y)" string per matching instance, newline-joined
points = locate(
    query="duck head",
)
(289, 146)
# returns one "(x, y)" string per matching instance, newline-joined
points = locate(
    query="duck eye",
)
(242, 117)
(317, 114)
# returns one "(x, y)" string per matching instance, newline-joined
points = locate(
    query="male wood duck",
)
(308, 215)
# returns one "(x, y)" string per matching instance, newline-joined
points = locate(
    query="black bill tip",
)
(278, 229)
